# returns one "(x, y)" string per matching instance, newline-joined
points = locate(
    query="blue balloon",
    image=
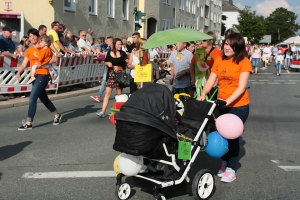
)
(217, 145)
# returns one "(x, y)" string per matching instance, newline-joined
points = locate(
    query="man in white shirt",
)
(180, 60)
(267, 55)
(84, 45)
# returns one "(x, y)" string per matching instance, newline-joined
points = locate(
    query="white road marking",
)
(69, 174)
(252, 80)
(258, 83)
(290, 168)
(273, 83)
(278, 80)
(288, 71)
(290, 83)
(276, 161)
(293, 80)
(263, 80)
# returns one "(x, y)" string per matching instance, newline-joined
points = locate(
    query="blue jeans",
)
(232, 156)
(39, 91)
(180, 90)
(278, 67)
(102, 87)
(255, 62)
(287, 62)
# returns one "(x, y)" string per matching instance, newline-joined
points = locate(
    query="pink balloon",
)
(230, 126)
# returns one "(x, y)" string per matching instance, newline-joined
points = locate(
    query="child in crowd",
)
(279, 61)
(44, 57)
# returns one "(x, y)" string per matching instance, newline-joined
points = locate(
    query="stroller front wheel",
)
(203, 185)
(160, 197)
(123, 191)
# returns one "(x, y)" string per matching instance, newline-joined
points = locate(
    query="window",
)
(125, 9)
(181, 4)
(201, 11)
(165, 25)
(187, 5)
(211, 15)
(174, 16)
(168, 2)
(93, 7)
(70, 5)
(110, 8)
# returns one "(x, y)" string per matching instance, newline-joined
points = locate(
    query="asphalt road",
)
(269, 162)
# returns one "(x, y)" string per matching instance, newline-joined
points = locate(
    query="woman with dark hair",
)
(116, 60)
(232, 70)
(191, 47)
(39, 86)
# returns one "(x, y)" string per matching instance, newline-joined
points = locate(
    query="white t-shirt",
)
(152, 53)
(279, 59)
(293, 49)
(255, 53)
(81, 43)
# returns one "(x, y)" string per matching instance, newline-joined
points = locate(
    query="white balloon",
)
(130, 165)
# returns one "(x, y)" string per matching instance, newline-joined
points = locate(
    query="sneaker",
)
(100, 114)
(96, 98)
(24, 126)
(229, 176)
(279, 74)
(57, 120)
(221, 171)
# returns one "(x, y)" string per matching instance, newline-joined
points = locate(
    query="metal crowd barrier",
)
(69, 70)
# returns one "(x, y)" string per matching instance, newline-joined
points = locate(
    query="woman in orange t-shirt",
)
(232, 70)
(39, 85)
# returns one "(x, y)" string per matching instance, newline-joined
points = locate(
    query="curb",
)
(53, 97)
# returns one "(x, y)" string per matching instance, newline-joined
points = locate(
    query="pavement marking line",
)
(274, 83)
(288, 71)
(279, 80)
(258, 83)
(252, 80)
(263, 80)
(290, 168)
(293, 80)
(290, 83)
(276, 161)
(69, 174)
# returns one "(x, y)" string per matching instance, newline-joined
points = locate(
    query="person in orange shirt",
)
(44, 56)
(38, 87)
(211, 54)
(232, 70)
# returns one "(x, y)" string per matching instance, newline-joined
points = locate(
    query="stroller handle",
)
(218, 102)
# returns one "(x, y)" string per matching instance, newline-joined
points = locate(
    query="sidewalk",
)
(66, 94)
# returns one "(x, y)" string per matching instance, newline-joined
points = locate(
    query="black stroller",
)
(146, 127)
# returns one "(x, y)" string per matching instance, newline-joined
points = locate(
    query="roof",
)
(227, 6)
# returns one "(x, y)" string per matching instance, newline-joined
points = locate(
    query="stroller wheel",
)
(203, 185)
(160, 197)
(123, 191)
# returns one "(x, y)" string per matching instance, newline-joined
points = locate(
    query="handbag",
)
(123, 79)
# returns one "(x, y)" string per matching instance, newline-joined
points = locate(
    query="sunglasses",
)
(83, 35)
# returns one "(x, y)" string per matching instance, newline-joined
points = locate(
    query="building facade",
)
(231, 12)
(202, 15)
(105, 17)
(111, 17)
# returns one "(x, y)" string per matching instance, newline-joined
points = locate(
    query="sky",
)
(266, 7)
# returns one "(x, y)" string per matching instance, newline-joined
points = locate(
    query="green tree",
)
(250, 25)
(281, 25)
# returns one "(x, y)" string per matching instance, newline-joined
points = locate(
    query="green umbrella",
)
(173, 36)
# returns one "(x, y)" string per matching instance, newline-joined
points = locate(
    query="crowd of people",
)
(266, 54)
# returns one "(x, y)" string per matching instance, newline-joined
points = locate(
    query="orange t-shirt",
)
(228, 74)
(45, 55)
(32, 60)
(214, 55)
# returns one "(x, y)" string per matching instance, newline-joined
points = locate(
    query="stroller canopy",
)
(153, 105)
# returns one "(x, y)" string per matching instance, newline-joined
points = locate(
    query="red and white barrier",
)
(69, 70)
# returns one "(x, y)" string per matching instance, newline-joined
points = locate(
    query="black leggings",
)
(133, 87)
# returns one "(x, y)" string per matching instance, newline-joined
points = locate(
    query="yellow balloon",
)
(116, 167)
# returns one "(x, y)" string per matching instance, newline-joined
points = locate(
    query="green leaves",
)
(280, 24)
